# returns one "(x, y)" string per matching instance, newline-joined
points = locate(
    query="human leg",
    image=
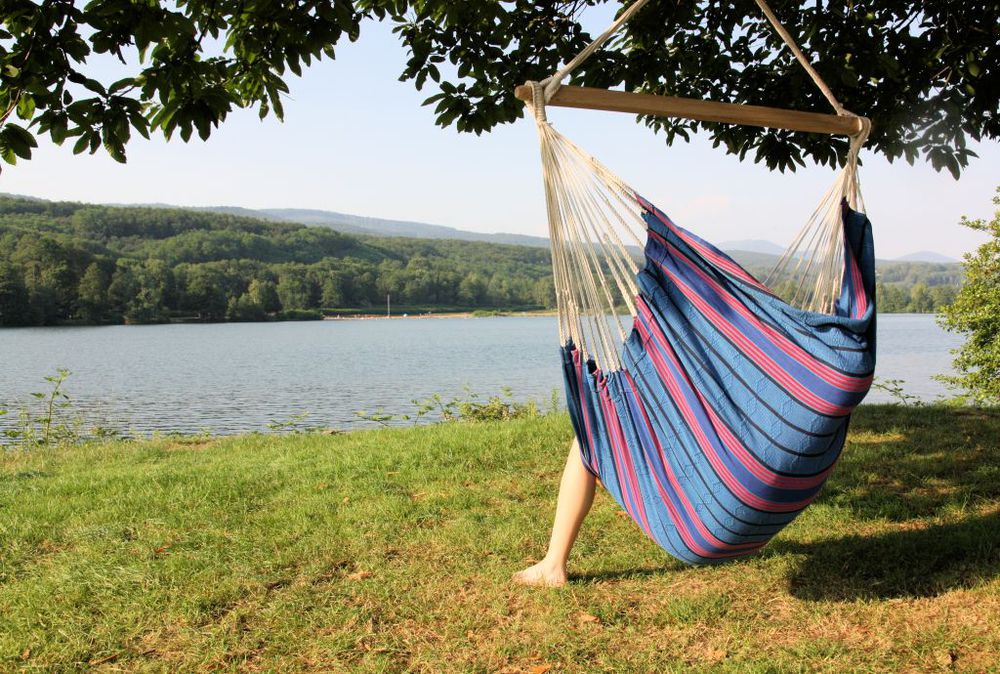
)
(576, 495)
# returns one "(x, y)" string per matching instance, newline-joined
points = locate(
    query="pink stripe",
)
(706, 252)
(614, 458)
(860, 298)
(756, 353)
(677, 395)
(626, 455)
(762, 472)
(741, 548)
(828, 374)
(619, 453)
(673, 384)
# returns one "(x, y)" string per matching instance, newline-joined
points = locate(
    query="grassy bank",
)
(391, 550)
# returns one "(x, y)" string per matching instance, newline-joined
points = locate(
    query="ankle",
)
(554, 562)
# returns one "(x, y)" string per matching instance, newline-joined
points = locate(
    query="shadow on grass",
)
(903, 463)
(621, 574)
(911, 466)
(914, 563)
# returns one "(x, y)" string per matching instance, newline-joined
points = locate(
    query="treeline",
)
(64, 263)
(919, 298)
(901, 287)
(78, 263)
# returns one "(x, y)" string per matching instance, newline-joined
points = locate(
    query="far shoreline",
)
(439, 314)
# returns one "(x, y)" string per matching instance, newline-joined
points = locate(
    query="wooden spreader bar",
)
(690, 108)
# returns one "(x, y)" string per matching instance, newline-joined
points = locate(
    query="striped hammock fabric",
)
(731, 406)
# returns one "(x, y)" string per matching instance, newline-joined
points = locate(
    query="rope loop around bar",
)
(538, 101)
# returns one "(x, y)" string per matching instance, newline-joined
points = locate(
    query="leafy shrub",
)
(976, 314)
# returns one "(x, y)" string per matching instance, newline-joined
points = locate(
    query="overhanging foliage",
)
(924, 71)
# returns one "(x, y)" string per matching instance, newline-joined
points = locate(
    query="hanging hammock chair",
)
(714, 415)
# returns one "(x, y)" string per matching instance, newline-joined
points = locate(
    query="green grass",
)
(390, 550)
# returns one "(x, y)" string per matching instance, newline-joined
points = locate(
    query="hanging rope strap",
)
(597, 226)
(780, 29)
(553, 82)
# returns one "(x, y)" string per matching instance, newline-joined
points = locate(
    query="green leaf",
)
(121, 84)
(18, 140)
(204, 127)
(116, 150)
(26, 107)
(58, 132)
(81, 144)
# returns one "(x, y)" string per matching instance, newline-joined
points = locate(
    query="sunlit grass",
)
(391, 550)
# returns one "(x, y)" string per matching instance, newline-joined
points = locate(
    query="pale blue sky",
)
(356, 140)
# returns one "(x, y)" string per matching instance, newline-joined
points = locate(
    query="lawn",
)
(391, 550)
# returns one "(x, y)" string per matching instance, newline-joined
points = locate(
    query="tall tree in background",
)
(265, 295)
(205, 293)
(295, 290)
(92, 295)
(925, 71)
(976, 314)
(15, 306)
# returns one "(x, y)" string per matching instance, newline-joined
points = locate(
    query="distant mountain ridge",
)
(360, 224)
(752, 246)
(764, 247)
(926, 256)
(756, 252)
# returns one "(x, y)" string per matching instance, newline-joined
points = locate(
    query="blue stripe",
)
(777, 430)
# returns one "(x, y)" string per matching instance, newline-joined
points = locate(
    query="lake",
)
(238, 377)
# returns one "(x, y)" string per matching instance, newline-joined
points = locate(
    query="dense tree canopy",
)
(96, 264)
(925, 72)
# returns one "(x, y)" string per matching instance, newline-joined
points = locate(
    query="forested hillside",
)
(62, 262)
(80, 263)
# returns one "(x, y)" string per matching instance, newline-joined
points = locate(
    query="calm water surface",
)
(238, 377)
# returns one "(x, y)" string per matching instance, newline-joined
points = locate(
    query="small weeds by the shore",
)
(48, 420)
(894, 388)
(470, 407)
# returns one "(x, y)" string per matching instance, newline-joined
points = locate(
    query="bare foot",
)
(542, 574)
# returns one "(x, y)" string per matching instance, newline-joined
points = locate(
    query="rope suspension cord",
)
(553, 82)
(779, 28)
(591, 211)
